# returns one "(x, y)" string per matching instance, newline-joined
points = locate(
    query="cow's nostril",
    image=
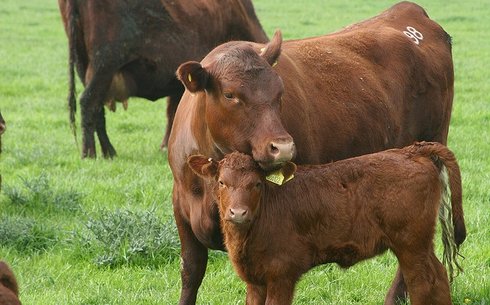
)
(274, 149)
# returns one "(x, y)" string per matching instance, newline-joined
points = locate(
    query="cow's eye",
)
(221, 184)
(228, 95)
(258, 184)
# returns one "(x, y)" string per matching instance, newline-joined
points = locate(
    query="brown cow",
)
(3, 126)
(366, 88)
(343, 212)
(9, 290)
(133, 48)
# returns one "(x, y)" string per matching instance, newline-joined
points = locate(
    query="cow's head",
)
(241, 184)
(243, 94)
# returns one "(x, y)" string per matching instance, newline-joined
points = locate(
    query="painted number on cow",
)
(413, 34)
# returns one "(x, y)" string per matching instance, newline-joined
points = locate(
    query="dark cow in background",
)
(383, 83)
(133, 48)
(342, 212)
(3, 126)
(9, 290)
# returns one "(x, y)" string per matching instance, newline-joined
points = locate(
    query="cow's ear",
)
(203, 166)
(193, 76)
(288, 170)
(272, 50)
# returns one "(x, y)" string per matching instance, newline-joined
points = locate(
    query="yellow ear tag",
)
(277, 177)
(189, 77)
(275, 63)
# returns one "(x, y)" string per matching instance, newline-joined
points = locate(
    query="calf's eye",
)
(228, 95)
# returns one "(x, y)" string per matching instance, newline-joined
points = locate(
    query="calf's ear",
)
(203, 166)
(272, 50)
(288, 170)
(193, 76)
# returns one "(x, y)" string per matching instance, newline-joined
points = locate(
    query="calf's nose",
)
(238, 215)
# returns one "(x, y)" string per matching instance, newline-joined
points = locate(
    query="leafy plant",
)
(26, 235)
(38, 193)
(125, 237)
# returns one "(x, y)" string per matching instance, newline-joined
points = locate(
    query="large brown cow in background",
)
(385, 82)
(133, 48)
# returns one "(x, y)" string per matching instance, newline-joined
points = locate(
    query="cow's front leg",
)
(194, 261)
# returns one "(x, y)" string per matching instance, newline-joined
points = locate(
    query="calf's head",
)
(242, 95)
(241, 183)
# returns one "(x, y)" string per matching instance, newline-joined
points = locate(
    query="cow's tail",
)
(72, 41)
(451, 214)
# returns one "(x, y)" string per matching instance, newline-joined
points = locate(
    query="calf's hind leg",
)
(426, 279)
(398, 291)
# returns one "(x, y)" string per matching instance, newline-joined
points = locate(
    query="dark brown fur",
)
(363, 89)
(132, 48)
(342, 212)
(9, 290)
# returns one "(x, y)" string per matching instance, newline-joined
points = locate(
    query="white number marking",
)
(413, 34)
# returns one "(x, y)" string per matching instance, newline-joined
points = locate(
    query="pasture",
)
(102, 232)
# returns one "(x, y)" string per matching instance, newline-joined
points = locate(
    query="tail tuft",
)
(451, 253)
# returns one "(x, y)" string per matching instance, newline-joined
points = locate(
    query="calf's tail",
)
(451, 214)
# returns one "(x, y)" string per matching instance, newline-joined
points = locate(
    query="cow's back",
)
(368, 87)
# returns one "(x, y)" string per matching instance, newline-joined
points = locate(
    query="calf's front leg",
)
(280, 292)
(256, 294)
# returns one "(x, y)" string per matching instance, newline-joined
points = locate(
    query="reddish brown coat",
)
(133, 48)
(9, 290)
(342, 212)
(363, 89)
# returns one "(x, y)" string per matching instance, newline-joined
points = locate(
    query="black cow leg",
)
(88, 129)
(398, 291)
(91, 108)
(107, 149)
(172, 104)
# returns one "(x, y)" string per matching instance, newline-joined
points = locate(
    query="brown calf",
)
(9, 290)
(342, 212)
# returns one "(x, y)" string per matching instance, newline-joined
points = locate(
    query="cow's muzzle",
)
(276, 153)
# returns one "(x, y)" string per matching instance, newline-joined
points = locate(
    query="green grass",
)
(102, 232)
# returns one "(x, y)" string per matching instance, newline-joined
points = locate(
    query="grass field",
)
(102, 232)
